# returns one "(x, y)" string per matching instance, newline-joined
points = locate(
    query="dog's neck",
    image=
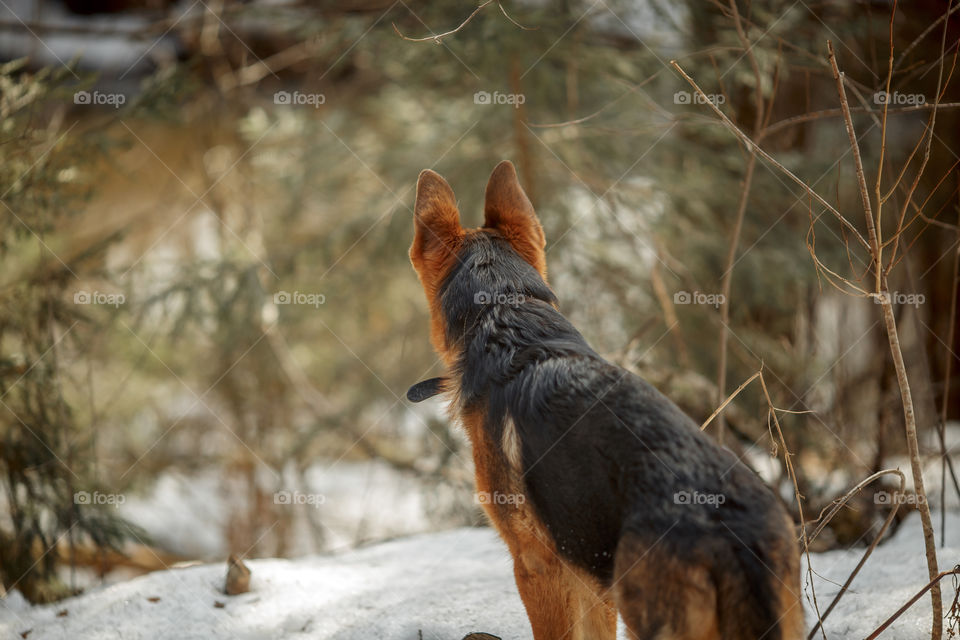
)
(507, 340)
(498, 315)
(494, 332)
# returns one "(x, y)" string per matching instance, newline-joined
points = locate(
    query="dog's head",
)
(511, 236)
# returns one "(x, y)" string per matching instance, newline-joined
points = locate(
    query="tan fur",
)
(789, 593)
(791, 616)
(510, 445)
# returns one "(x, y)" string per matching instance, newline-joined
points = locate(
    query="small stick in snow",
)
(911, 601)
(238, 576)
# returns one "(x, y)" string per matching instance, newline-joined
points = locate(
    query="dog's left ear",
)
(508, 210)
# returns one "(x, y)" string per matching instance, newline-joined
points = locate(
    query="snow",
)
(443, 585)
(894, 573)
(189, 514)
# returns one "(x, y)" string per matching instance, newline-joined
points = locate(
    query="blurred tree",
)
(50, 483)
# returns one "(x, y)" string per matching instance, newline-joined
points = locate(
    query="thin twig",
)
(504, 12)
(439, 37)
(823, 270)
(838, 504)
(792, 474)
(630, 90)
(729, 400)
(857, 163)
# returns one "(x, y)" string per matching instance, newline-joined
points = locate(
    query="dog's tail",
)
(758, 591)
(709, 587)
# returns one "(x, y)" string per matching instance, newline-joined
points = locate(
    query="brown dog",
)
(608, 496)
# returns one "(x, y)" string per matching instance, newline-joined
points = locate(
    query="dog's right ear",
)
(508, 210)
(436, 218)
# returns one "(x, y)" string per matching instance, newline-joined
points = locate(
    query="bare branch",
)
(833, 113)
(729, 400)
(890, 323)
(439, 37)
(858, 163)
(504, 12)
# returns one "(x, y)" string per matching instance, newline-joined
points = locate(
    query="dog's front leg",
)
(559, 603)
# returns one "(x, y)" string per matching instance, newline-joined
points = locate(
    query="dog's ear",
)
(436, 218)
(508, 210)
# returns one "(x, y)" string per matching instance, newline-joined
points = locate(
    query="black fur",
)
(604, 453)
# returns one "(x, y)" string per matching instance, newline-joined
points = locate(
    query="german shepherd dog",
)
(608, 496)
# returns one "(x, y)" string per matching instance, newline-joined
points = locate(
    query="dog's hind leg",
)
(597, 613)
(661, 598)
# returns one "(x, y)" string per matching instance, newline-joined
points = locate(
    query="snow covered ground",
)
(443, 585)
